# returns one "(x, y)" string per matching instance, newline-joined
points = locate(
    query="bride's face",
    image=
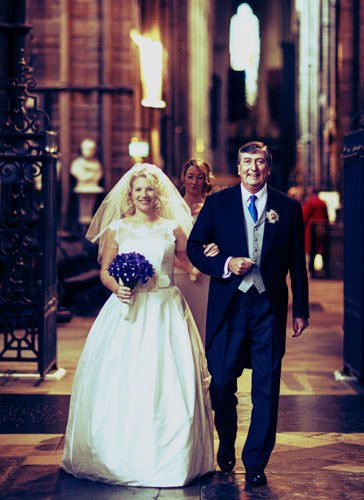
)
(143, 195)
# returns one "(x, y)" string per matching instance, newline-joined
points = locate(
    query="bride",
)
(140, 410)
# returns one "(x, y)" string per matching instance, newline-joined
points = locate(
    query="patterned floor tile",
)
(319, 453)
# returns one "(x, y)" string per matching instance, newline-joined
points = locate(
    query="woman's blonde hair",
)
(117, 203)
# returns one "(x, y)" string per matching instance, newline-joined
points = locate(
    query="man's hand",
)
(299, 324)
(240, 265)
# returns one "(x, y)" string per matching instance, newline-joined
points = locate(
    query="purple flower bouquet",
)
(130, 269)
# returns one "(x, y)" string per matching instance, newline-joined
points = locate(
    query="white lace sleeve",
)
(114, 230)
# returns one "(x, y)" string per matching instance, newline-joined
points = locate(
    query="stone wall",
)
(87, 72)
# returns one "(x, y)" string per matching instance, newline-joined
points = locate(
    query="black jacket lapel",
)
(237, 213)
(270, 227)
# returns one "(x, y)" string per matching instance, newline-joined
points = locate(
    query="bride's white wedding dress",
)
(140, 411)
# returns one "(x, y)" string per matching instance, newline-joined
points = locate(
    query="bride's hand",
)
(125, 294)
(211, 250)
(194, 274)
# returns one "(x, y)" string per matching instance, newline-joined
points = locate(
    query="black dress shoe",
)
(257, 478)
(226, 459)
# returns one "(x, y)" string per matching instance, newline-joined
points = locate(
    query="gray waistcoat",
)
(254, 236)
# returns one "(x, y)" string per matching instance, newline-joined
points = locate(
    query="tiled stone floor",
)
(320, 443)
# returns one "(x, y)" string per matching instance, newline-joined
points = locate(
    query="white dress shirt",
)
(260, 204)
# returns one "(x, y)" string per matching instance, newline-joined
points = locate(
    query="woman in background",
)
(197, 182)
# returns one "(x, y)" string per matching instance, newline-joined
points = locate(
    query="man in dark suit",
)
(259, 231)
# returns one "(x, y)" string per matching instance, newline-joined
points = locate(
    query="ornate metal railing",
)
(28, 160)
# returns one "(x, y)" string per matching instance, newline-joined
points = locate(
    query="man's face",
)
(253, 170)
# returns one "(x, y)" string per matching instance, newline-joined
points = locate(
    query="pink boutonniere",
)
(272, 216)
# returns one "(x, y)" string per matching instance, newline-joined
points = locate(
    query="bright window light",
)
(151, 66)
(244, 47)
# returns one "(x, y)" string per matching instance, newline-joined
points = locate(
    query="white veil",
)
(117, 204)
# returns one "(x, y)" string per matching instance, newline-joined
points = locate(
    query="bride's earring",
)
(157, 206)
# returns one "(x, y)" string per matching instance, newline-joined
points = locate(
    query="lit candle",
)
(51, 144)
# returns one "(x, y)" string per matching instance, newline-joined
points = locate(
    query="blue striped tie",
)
(252, 208)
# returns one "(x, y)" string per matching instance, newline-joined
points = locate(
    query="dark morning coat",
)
(221, 221)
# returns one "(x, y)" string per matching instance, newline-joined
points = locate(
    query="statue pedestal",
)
(86, 202)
